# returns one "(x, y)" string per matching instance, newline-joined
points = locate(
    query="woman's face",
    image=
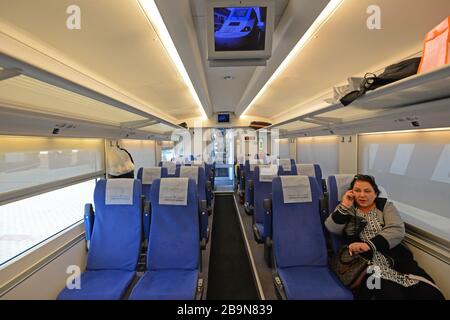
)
(364, 194)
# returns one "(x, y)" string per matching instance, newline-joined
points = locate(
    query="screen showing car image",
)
(223, 117)
(240, 29)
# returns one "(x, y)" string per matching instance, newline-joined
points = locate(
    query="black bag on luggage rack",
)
(392, 73)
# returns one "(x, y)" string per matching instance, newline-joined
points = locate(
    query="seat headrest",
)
(119, 191)
(189, 172)
(267, 172)
(296, 189)
(306, 170)
(171, 167)
(173, 191)
(285, 163)
(343, 182)
(150, 174)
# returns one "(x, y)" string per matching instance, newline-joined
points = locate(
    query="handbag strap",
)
(419, 278)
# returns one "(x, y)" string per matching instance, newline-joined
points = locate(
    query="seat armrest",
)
(146, 216)
(199, 290)
(279, 287)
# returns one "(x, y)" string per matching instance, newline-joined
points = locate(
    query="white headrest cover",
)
(171, 167)
(285, 163)
(189, 172)
(296, 189)
(306, 170)
(267, 172)
(173, 191)
(119, 191)
(150, 174)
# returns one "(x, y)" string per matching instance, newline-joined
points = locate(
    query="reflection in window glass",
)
(30, 161)
(319, 150)
(28, 222)
(414, 168)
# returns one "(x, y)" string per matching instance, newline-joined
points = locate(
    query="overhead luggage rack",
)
(426, 90)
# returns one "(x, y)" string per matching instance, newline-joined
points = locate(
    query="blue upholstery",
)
(299, 248)
(114, 249)
(262, 221)
(146, 193)
(147, 187)
(176, 170)
(201, 192)
(166, 285)
(313, 283)
(318, 175)
(249, 195)
(100, 285)
(333, 200)
(173, 249)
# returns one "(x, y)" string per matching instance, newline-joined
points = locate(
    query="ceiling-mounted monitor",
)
(240, 29)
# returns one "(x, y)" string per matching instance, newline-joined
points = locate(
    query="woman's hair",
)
(366, 178)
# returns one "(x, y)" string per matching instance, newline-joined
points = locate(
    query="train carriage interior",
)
(224, 150)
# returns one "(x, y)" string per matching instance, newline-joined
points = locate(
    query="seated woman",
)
(372, 227)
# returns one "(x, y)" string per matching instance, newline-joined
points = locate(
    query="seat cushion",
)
(166, 285)
(313, 283)
(100, 285)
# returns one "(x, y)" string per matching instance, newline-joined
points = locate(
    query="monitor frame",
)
(223, 114)
(212, 54)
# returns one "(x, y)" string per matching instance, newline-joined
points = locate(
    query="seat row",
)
(116, 236)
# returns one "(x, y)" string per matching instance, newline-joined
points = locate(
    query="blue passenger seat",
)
(198, 175)
(262, 220)
(115, 242)
(300, 255)
(147, 176)
(173, 251)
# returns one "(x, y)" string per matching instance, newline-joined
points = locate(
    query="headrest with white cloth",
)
(267, 172)
(306, 170)
(296, 189)
(189, 172)
(150, 174)
(173, 191)
(119, 191)
(285, 163)
(171, 167)
(254, 163)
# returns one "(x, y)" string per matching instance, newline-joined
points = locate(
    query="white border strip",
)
(249, 253)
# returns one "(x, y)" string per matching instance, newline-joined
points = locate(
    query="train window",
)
(29, 165)
(26, 223)
(414, 168)
(319, 150)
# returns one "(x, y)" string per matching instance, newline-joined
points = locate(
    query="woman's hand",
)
(348, 199)
(358, 247)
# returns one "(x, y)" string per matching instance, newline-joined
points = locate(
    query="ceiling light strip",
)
(332, 6)
(152, 13)
(405, 131)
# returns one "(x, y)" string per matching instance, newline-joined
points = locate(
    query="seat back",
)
(298, 238)
(285, 167)
(148, 175)
(310, 170)
(337, 185)
(173, 240)
(249, 169)
(263, 176)
(171, 167)
(116, 236)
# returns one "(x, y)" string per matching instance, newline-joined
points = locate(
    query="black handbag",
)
(351, 270)
(392, 73)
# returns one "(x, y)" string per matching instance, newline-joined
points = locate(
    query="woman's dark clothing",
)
(383, 230)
